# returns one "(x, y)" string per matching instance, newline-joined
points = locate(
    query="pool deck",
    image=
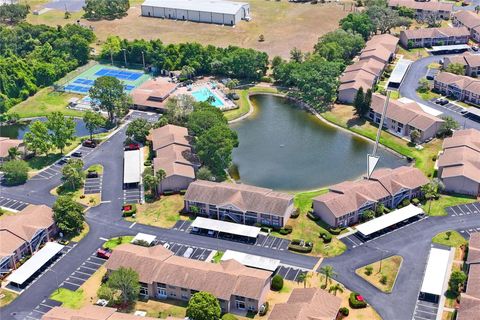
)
(219, 91)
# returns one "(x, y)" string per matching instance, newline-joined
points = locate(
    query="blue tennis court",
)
(119, 74)
(79, 89)
(84, 81)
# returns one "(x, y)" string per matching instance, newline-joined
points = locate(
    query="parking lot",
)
(12, 204)
(289, 273)
(451, 106)
(73, 282)
(425, 310)
(268, 241)
(133, 195)
(93, 185)
(149, 116)
(196, 253)
(182, 225)
(464, 209)
(468, 232)
(352, 241)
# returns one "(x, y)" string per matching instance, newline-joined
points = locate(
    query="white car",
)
(188, 253)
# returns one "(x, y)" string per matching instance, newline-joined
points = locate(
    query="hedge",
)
(147, 163)
(345, 311)
(335, 231)
(132, 211)
(327, 237)
(286, 230)
(311, 216)
(354, 303)
(168, 193)
(277, 282)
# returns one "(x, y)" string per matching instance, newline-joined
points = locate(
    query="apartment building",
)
(239, 203)
(469, 20)
(174, 155)
(459, 162)
(458, 87)
(163, 275)
(427, 37)
(91, 312)
(6, 144)
(471, 63)
(403, 118)
(345, 202)
(366, 71)
(470, 299)
(442, 10)
(22, 234)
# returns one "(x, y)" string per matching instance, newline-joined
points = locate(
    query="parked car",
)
(132, 146)
(63, 241)
(104, 253)
(441, 101)
(77, 154)
(92, 174)
(166, 245)
(89, 143)
(188, 253)
(64, 160)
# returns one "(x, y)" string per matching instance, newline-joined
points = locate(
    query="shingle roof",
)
(242, 196)
(157, 264)
(307, 304)
(372, 66)
(175, 160)
(462, 82)
(468, 18)
(468, 58)
(153, 93)
(167, 135)
(469, 307)
(474, 249)
(90, 312)
(436, 32)
(426, 6)
(7, 143)
(394, 180)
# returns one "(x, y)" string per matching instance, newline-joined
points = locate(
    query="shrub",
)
(277, 283)
(434, 158)
(344, 311)
(229, 316)
(263, 309)
(300, 246)
(182, 192)
(311, 216)
(286, 230)
(355, 303)
(368, 270)
(383, 279)
(415, 201)
(405, 202)
(266, 79)
(295, 214)
(327, 237)
(147, 163)
(129, 210)
(335, 231)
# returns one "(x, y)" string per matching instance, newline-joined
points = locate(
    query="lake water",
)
(17, 131)
(286, 148)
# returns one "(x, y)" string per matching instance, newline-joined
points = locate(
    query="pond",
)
(286, 148)
(18, 130)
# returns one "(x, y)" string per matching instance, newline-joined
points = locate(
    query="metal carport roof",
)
(131, 166)
(226, 227)
(435, 272)
(251, 260)
(33, 264)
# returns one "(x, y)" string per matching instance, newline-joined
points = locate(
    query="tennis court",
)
(130, 78)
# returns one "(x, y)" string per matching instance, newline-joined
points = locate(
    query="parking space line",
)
(73, 284)
(83, 266)
(34, 310)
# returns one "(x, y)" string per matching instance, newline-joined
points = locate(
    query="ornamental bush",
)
(335, 231)
(229, 316)
(355, 303)
(277, 283)
(344, 311)
(130, 212)
(327, 237)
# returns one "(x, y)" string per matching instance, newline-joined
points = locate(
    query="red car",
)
(132, 146)
(104, 253)
(89, 143)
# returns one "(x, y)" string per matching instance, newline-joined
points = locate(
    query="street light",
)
(382, 251)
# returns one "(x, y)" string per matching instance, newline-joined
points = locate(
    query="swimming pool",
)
(205, 93)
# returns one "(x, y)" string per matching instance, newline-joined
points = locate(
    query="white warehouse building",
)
(209, 11)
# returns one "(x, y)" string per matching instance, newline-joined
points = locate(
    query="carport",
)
(143, 237)
(454, 48)
(253, 261)
(434, 279)
(35, 263)
(131, 168)
(225, 229)
(399, 73)
(367, 229)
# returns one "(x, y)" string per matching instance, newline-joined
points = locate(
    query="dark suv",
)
(89, 143)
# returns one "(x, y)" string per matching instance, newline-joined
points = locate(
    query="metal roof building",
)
(399, 73)
(251, 260)
(226, 227)
(131, 167)
(434, 280)
(209, 11)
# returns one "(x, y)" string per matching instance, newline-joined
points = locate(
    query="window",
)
(183, 289)
(240, 305)
(184, 297)
(143, 291)
(161, 293)
(251, 308)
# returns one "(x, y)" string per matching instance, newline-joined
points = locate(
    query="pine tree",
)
(359, 101)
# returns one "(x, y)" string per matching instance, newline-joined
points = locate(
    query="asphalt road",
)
(408, 89)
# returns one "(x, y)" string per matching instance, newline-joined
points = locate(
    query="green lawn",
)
(68, 298)
(217, 257)
(429, 95)
(44, 102)
(303, 200)
(114, 242)
(455, 239)
(95, 167)
(7, 297)
(437, 207)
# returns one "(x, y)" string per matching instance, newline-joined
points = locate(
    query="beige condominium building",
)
(174, 155)
(428, 37)
(459, 162)
(470, 299)
(22, 234)
(458, 87)
(345, 202)
(368, 68)
(239, 203)
(471, 63)
(163, 275)
(469, 20)
(423, 9)
(91, 312)
(403, 118)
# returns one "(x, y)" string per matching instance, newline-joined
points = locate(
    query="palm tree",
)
(336, 287)
(430, 191)
(302, 277)
(329, 272)
(160, 175)
(13, 153)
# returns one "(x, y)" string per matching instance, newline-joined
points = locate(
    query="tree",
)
(150, 181)
(13, 13)
(38, 139)
(204, 174)
(329, 272)
(367, 102)
(384, 19)
(14, 153)
(203, 306)
(368, 270)
(113, 46)
(432, 20)
(379, 210)
(368, 215)
(160, 174)
(62, 130)
(423, 85)
(105, 9)
(68, 215)
(457, 279)
(110, 93)
(93, 121)
(73, 174)
(204, 117)
(448, 234)
(359, 102)
(138, 129)
(179, 108)
(104, 292)
(415, 136)
(406, 12)
(15, 172)
(430, 192)
(187, 72)
(296, 55)
(232, 84)
(277, 282)
(163, 121)
(359, 23)
(456, 68)
(339, 45)
(335, 288)
(126, 282)
(448, 126)
(303, 277)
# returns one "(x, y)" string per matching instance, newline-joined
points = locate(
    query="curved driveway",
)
(408, 89)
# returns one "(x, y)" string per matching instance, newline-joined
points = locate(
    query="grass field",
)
(345, 117)
(7, 297)
(115, 242)
(161, 213)
(454, 240)
(45, 102)
(437, 207)
(390, 268)
(284, 25)
(68, 298)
